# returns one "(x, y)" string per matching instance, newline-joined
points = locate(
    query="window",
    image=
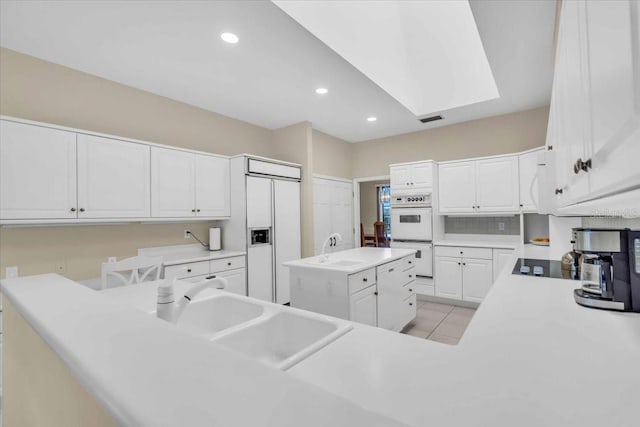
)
(384, 207)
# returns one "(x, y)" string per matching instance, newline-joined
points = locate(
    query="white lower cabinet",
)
(463, 273)
(477, 278)
(232, 268)
(382, 296)
(501, 260)
(363, 306)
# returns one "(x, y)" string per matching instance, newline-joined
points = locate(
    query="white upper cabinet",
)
(411, 178)
(172, 183)
(528, 168)
(594, 127)
(456, 187)
(37, 172)
(479, 186)
(212, 186)
(113, 178)
(497, 185)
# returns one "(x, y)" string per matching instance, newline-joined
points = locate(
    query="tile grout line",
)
(434, 329)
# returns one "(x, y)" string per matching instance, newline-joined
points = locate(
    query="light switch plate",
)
(501, 226)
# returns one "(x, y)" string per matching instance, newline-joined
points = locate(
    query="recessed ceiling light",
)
(322, 90)
(229, 38)
(372, 119)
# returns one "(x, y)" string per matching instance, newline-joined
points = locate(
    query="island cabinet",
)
(382, 295)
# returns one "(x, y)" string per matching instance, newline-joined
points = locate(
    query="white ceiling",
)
(173, 48)
(426, 54)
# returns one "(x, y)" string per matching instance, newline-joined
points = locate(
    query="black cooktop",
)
(542, 268)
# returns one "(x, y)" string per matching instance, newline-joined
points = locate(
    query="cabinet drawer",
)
(408, 275)
(408, 311)
(362, 280)
(182, 271)
(408, 290)
(226, 264)
(408, 262)
(466, 252)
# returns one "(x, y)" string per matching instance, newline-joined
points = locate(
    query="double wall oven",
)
(412, 228)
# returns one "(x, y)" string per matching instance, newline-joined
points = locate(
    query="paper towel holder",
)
(214, 239)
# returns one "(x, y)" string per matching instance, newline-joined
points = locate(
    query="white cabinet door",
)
(342, 213)
(259, 202)
(400, 179)
(457, 190)
(363, 306)
(321, 213)
(448, 277)
(172, 183)
(236, 280)
(287, 244)
(212, 186)
(37, 172)
(113, 178)
(613, 74)
(497, 185)
(477, 277)
(390, 281)
(260, 272)
(421, 175)
(501, 260)
(528, 167)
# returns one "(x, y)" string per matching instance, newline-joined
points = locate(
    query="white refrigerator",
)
(265, 221)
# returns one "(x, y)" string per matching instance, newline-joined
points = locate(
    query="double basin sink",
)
(275, 335)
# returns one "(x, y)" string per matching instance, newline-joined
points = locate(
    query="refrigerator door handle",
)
(273, 242)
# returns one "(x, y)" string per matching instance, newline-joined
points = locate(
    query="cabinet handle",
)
(464, 263)
(188, 270)
(521, 205)
(375, 293)
(459, 263)
(410, 303)
(407, 183)
(412, 183)
(391, 269)
(410, 290)
(478, 207)
(559, 191)
(81, 209)
(410, 262)
(460, 252)
(210, 277)
(581, 165)
(364, 279)
(193, 210)
(197, 210)
(228, 263)
(410, 276)
(73, 209)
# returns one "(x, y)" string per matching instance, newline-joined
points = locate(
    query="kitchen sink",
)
(284, 339)
(212, 315)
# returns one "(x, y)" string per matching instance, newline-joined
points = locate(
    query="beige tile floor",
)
(440, 322)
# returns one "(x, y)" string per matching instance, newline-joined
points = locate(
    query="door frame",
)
(356, 203)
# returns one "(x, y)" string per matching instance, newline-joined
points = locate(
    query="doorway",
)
(372, 204)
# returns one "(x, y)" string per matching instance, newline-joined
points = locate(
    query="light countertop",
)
(531, 356)
(365, 257)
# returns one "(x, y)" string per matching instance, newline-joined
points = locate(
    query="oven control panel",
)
(413, 200)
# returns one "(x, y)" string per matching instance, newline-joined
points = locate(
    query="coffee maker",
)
(609, 268)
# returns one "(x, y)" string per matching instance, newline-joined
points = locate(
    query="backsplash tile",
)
(482, 225)
(611, 222)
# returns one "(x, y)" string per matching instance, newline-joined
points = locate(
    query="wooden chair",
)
(381, 234)
(132, 270)
(366, 240)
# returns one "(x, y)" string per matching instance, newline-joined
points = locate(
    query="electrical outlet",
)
(111, 259)
(187, 234)
(61, 267)
(501, 226)
(11, 272)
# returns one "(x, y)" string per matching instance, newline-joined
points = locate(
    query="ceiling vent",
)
(430, 119)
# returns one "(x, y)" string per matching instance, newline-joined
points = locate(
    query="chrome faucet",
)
(333, 240)
(170, 310)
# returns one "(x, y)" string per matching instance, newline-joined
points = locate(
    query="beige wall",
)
(38, 388)
(294, 144)
(484, 137)
(332, 156)
(369, 204)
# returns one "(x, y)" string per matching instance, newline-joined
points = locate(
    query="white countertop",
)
(531, 356)
(367, 257)
(182, 254)
(147, 372)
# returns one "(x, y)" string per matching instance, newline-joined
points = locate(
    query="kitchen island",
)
(528, 358)
(374, 286)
